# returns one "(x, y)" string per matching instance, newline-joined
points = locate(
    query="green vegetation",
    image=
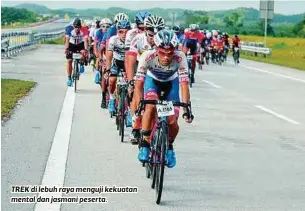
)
(59, 41)
(287, 52)
(13, 90)
(11, 15)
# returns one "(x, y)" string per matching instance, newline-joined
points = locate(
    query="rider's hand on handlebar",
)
(187, 117)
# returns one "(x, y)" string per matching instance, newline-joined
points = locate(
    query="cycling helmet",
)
(166, 39)
(186, 30)
(123, 24)
(106, 21)
(219, 37)
(176, 29)
(77, 23)
(236, 35)
(214, 32)
(209, 35)
(193, 27)
(120, 16)
(140, 17)
(154, 23)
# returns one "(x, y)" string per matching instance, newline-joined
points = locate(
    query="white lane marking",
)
(56, 166)
(272, 73)
(277, 115)
(212, 84)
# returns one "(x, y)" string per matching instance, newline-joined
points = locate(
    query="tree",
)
(299, 29)
(234, 22)
(270, 30)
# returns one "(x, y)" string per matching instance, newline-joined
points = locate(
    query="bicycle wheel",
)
(161, 149)
(122, 114)
(75, 75)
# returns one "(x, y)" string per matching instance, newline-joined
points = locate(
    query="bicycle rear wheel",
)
(161, 149)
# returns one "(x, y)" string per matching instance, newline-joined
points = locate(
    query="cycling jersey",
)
(180, 37)
(149, 65)
(118, 47)
(75, 38)
(92, 32)
(99, 34)
(235, 41)
(218, 43)
(129, 37)
(112, 31)
(138, 45)
(194, 35)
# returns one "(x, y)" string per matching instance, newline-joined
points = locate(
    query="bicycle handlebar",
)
(162, 102)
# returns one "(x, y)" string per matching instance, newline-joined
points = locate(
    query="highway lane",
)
(235, 156)
(47, 27)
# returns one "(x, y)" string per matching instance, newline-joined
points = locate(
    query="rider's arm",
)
(109, 53)
(140, 77)
(131, 58)
(183, 80)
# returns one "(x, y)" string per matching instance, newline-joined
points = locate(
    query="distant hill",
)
(250, 15)
(39, 9)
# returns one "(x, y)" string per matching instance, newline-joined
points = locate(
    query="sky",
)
(280, 6)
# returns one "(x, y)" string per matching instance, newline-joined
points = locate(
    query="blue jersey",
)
(68, 30)
(180, 37)
(99, 34)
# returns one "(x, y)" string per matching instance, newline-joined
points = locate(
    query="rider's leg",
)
(112, 87)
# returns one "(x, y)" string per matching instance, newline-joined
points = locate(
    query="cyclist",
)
(100, 52)
(92, 31)
(226, 42)
(218, 46)
(180, 35)
(112, 31)
(192, 42)
(76, 41)
(236, 43)
(115, 57)
(139, 19)
(162, 69)
(142, 42)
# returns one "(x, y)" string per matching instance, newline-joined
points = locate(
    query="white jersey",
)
(130, 35)
(92, 32)
(117, 46)
(149, 64)
(139, 44)
(75, 38)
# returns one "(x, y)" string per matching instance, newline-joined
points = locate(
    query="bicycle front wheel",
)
(122, 115)
(161, 150)
(75, 72)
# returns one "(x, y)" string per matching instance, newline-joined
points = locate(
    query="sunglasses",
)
(123, 31)
(163, 52)
(105, 26)
(141, 28)
(149, 34)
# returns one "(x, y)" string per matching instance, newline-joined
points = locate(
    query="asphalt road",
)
(244, 151)
(48, 27)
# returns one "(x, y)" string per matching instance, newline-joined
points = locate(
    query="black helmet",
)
(77, 23)
(176, 29)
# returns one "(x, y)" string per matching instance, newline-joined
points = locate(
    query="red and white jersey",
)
(139, 45)
(149, 64)
(130, 35)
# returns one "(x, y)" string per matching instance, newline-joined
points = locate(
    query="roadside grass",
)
(13, 90)
(289, 52)
(58, 41)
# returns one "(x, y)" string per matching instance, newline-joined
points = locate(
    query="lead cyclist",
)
(163, 68)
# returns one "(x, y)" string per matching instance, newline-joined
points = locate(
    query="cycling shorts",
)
(153, 88)
(116, 67)
(192, 45)
(74, 49)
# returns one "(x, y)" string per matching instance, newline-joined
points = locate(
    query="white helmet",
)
(120, 16)
(186, 30)
(106, 21)
(193, 27)
(209, 35)
(215, 33)
(154, 23)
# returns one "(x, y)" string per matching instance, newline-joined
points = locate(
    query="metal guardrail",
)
(255, 48)
(13, 43)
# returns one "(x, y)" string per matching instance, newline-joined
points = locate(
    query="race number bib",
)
(165, 110)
